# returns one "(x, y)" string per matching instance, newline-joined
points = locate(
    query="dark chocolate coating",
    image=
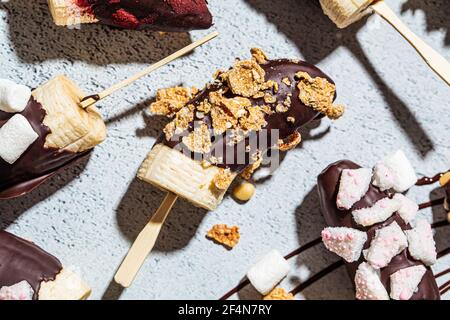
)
(328, 186)
(276, 70)
(22, 260)
(157, 15)
(38, 163)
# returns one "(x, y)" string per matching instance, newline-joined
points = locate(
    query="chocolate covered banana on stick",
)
(345, 12)
(44, 130)
(29, 273)
(226, 130)
(157, 15)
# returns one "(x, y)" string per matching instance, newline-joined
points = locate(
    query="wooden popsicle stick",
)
(144, 243)
(436, 62)
(90, 100)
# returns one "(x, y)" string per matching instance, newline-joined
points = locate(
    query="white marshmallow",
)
(353, 186)
(16, 136)
(395, 171)
(268, 272)
(408, 208)
(368, 284)
(405, 282)
(18, 291)
(13, 97)
(379, 212)
(345, 242)
(387, 243)
(421, 243)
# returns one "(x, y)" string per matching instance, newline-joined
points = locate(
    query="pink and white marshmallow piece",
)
(405, 282)
(353, 186)
(394, 172)
(368, 284)
(387, 243)
(408, 208)
(379, 212)
(421, 243)
(345, 242)
(19, 291)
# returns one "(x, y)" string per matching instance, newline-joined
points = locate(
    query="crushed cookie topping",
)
(279, 294)
(292, 141)
(318, 93)
(256, 163)
(225, 235)
(253, 120)
(169, 101)
(223, 179)
(181, 122)
(286, 81)
(258, 55)
(245, 78)
(198, 140)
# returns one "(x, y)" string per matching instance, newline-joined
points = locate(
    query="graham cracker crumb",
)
(254, 119)
(245, 78)
(169, 101)
(225, 235)
(259, 55)
(249, 170)
(199, 140)
(318, 93)
(292, 141)
(181, 122)
(223, 179)
(279, 294)
(286, 81)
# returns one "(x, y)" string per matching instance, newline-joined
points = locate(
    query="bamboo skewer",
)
(90, 100)
(434, 60)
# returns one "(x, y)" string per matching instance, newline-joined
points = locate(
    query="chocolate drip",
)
(430, 180)
(22, 260)
(157, 15)
(276, 70)
(328, 185)
(38, 163)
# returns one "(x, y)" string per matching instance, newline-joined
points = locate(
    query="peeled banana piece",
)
(66, 13)
(66, 286)
(73, 128)
(345, 12)
(169, 169)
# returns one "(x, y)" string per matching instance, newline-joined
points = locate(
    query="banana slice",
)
(72, 128)
(66, 13)
(66, 286)
(170, 170)
(345, 12)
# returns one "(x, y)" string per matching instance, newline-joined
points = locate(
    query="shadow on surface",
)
(316, 37)
(437, 13)
(139, 204)
(37, 39)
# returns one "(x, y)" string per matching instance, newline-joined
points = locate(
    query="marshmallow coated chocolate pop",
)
(157, 15)
(44, 130)
(388, 251)
(248, 112)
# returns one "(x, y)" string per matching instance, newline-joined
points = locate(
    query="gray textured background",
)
(89, 214)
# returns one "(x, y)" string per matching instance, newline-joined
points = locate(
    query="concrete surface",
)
(89, 214)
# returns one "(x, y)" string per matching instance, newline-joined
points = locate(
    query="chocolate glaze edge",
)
(328, 185)
(22, 260)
